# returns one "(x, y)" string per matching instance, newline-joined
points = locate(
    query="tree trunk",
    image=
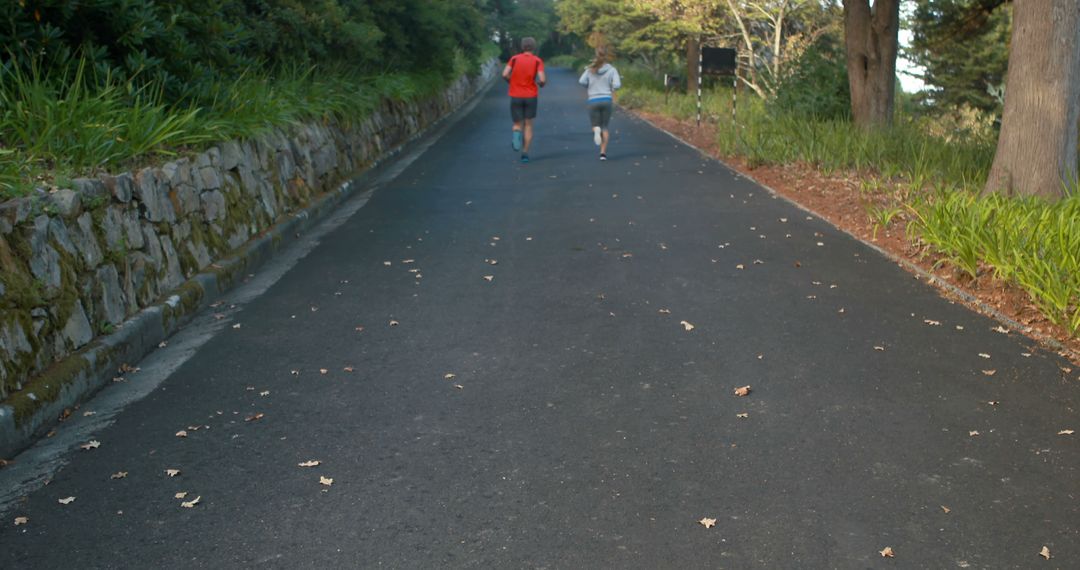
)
(1036, 150)
(870, 35)
(693, 60)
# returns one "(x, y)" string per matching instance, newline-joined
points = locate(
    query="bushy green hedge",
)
(186, 45)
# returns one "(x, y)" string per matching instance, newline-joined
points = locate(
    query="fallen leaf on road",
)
(459, 386)
(348, 369)
(881, 348)
(686, 325)
(664, 311)
(989, 372)
(887, 552)
(739, 266)
(973, 433)
(841, 310)
(932, 323)
(393, 323)
(945, 509)
(386, 263)
(959, 327)
(191, 504)
(759, 262)
(408, 261)
(118, 475)
(1000, 329)
(21, 520)
(323, 371)
(707, 522)
(66, 500)
(254, 417)
(1045, 553)
(181, 433)
(359, 329)
(984, 355)
(294, 372)
(311, 463)
(236, 326)
(1066, 432)
(181, 495)
(264, 393)
(172, 472)
(742, 415)
(742, 391)
(450, 376)
(326, 480)
(92, 444)
(489, 278)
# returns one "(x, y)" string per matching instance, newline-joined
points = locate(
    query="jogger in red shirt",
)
(525, 74)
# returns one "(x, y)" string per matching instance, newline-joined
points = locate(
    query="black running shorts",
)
(521, 108)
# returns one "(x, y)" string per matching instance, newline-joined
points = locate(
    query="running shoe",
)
(603, 156)
(596, 137)
(517, 141)
(524, 159)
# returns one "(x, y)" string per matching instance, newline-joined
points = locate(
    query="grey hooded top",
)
(601, 83)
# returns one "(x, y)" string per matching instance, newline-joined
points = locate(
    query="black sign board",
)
(719, 61)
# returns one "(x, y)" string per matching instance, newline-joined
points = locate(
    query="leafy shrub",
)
(816, 85)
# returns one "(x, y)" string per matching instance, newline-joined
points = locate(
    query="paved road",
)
(584, 427)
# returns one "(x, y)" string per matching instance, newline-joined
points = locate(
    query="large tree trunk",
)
(870, 35)
(1036, 150)
(693, 60)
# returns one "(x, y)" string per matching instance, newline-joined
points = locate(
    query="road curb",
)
(948, 288)
(81, 375)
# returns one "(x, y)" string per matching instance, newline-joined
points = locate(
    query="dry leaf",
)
(191, 504)
(973, 433)
(993, 402)
(294, 372)
(172, 472)
(1000, 329)
(887, 552)
(325, 481)
(945, 509)
(236, 326)
(92, 444)
(408, 261)
(739, 266)
(450, 376)
(21, 520)
(66, 500)
(459, 386)
(311, 463)
(348, 369)
(984, 355)
(118, 475)
(254, 417)
(393, 323)
(489, 278)
(323, 371)
(686, 325)
(742, 415)
(264, 393)
(881, 348)
(181, 495)
(181, 433)
(1066, 432)
(989, 372)
(386, 263)
(1045, 552)
(664, 311)
(359, 329)
(932, 323)
(707, 522)
(742, 391)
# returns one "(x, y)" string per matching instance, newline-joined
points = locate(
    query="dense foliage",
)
(186, 45)
(964, 47)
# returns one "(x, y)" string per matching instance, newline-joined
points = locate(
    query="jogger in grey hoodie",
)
(602, 80)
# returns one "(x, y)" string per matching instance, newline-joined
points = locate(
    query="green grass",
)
(56, 127)
(1030, 242)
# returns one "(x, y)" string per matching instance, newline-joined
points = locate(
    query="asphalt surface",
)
(583, 426)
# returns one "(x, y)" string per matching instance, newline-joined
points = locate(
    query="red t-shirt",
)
(524, 67)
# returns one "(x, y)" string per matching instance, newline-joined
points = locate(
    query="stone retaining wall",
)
(78, 262)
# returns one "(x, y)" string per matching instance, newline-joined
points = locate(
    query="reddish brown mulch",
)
(837, 198)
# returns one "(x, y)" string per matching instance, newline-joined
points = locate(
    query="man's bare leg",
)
(528, 136)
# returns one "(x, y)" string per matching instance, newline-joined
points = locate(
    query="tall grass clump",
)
(1027, 241)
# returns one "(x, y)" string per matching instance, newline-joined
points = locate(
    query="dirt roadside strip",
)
(839, 204)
